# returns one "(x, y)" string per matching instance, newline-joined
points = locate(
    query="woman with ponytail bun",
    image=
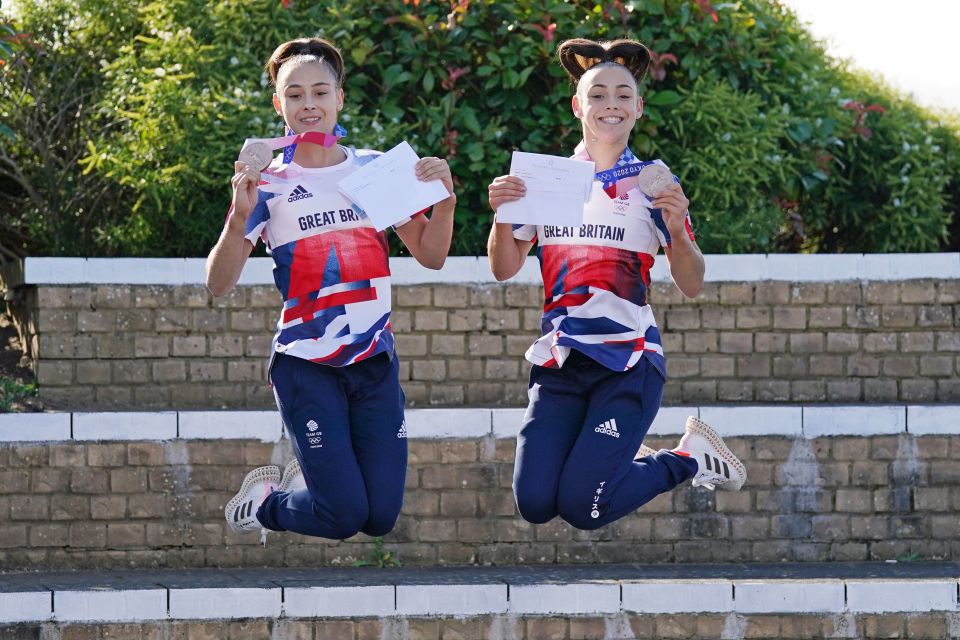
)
(598, 369)
(333, 368)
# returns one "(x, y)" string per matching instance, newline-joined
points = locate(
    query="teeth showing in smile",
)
(612, 120)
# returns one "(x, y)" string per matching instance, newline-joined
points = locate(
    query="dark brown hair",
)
(579, 54)
(325, 51)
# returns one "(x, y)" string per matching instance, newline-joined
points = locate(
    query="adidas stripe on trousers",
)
(581, 431)
(345, 424)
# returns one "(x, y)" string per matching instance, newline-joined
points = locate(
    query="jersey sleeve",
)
(259, 217)
(525, 232)
(400, 223)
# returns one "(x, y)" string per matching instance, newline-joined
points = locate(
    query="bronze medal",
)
(653, 179)
(256, 155)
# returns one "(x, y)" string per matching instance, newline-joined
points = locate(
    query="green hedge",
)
(750, 114)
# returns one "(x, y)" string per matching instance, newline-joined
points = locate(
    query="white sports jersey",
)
(595, 280)
(330, 264)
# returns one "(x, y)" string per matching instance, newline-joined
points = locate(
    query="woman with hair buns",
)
(598, 368)
(333, 367)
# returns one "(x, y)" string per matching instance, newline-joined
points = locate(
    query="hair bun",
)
(306, 46)
(579, 54)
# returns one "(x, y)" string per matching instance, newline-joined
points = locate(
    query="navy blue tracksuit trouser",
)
(347, 429)
(581, 432)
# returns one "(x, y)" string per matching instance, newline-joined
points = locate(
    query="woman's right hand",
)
(505, 189)
(244, 184)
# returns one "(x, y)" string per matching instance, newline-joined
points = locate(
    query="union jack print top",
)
(595, 280)
(330, 264)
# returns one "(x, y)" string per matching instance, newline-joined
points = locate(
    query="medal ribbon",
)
(622, 175)
(289, 143)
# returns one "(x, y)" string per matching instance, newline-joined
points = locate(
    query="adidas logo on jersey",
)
(299, 193)
(609, 428)
(403, 430)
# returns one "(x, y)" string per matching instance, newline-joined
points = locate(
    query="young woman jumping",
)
(598, 368)
(333, 367)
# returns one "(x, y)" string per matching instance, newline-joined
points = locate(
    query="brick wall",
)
(160, 504)
(127, 346)
(926, 626)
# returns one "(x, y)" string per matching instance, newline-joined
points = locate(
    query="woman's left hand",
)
(435, 169)
(673, 204)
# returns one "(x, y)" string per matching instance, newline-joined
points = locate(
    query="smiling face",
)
(607, 103)
(308, 96)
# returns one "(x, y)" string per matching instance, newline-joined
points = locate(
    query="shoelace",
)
(709, 483)
(263, 538)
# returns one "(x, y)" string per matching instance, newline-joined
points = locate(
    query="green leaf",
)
(800, 132)
(7, 131)
(469, 117)
(428, 81)
(664, 98)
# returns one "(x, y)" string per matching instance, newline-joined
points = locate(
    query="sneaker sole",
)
(702, 429)
(260, 474)
(289, 473)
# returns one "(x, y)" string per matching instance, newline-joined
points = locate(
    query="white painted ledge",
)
(225, 603)
(933, 419)
(881, 596)
(792, 421)
(35, 427)
(794, 596)
(339, 602)
(25, 606)
(854, 420)
(265, 426)
(678, 596)
(417, 600)
(569, 599)
(475, 270)
(125, 425)
(451, 599)
(448, 423)
(755, 420)
(133, 605)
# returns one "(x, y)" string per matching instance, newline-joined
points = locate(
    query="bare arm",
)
(428, 240)
(506, 253)
(226, 259)
(686, 262)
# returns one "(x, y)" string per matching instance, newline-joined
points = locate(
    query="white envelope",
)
(387, 189)
(557, 189)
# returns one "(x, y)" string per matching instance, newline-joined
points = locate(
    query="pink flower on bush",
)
(450, 140)
(453, 74)
(708, 9)
(658, 64)
(546, 29)
(863, 111)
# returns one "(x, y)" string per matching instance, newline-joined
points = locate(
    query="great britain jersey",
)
(330, 264)
(596, 277)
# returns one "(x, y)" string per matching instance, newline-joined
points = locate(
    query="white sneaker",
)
(292, 479)
(718, 467)
(644, 451)
(241, 511)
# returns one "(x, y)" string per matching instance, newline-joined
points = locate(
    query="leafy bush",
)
(181, 85)
(52, 84)
(727, 149)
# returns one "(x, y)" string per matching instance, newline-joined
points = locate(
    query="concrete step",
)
(148, 490)
(792, 421)
(586, 590)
